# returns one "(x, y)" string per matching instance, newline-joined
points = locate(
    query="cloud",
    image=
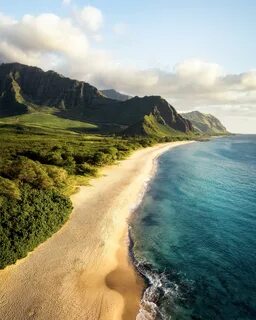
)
(33, 38)
(5, 20)
(90, 17)
(249, 80)
(197, 71)
(64, 44)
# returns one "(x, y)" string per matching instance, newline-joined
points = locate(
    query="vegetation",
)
(39, 169)
(154, 128)
(47, 121)
(29, 219)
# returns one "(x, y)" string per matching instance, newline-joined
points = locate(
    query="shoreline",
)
(84, 270)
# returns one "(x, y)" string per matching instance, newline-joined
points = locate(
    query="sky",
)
(198, 54)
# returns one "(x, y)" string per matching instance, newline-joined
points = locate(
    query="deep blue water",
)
(194, 233)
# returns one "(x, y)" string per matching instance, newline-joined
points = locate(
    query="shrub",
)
(23, 226)
(86, 169)
(58, 175)
(9, 188)
(100, 158)
(28, 171)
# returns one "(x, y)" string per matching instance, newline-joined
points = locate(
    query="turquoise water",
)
(194, 234)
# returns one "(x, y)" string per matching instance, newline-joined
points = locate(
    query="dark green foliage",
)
(86, 169)
(26, 222)
(24, 170)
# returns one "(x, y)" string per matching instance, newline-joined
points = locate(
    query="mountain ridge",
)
(26, 89)
(202, 123)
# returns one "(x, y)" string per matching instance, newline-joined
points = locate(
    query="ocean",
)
(193, 236)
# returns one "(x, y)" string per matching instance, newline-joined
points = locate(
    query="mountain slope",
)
(39, 88)
(149, 126)
(205, 123)
(115, 95)
(25, 89)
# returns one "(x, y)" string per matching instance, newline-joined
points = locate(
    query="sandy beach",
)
(83, 271)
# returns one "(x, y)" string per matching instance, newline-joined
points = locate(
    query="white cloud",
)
(197, 71)
(53, 42)
(34, 37)
(90, 17)
(249, 79)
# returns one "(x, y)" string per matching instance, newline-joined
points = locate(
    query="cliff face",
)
(26, 89)
(205, 123)
(49, 88)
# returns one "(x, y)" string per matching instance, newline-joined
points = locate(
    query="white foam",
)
(141, 195)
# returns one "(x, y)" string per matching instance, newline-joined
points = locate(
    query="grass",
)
(47, 121)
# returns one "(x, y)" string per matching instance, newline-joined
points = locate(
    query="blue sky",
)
(161, 33)
(192, 52)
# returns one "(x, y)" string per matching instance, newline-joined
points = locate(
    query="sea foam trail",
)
(158, 288)
(149, 309)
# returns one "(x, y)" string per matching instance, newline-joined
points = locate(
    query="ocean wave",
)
(160, 290)
(149, 309)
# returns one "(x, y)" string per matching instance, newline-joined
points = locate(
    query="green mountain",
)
(30, 90)
(24, 88)
(202, 123)
(115, 95)
(205, 123)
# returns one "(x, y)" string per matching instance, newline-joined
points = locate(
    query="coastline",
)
(84, 271)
